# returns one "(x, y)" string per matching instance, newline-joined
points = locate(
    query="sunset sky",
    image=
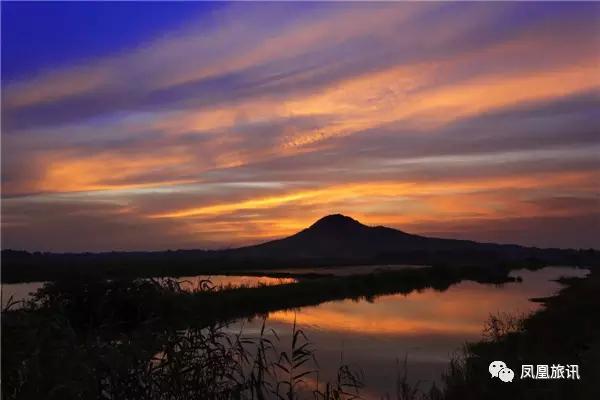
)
(194, 125)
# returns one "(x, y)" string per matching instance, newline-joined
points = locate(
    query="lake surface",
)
(22, 291)
(19, 291)
(427, 327)
(345, 270)
(224, 281)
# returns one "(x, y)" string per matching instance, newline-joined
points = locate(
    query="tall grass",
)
(116, 340)
(103, 344)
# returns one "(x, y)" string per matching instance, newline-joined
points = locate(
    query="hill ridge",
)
(332, 240)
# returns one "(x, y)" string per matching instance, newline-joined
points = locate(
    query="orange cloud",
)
(238, 99)
(334, 193)
(64, 173)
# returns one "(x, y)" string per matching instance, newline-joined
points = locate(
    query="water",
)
(22, 291)
(19, 291)
(427, 327)
(345, 270)
(221, 281)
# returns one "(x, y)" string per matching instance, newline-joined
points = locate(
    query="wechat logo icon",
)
(498, 369)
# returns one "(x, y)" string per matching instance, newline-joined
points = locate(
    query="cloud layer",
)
(464, 120)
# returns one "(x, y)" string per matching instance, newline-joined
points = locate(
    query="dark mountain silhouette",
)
(342, 237)
(332, 240)
(337, 236)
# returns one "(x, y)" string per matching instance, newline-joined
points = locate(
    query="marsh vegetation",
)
(151, 339)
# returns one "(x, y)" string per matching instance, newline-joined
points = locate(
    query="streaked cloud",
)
(259, 118)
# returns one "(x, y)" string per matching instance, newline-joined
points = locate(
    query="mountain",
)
(334, 236)
(341, 237)
(332, 240)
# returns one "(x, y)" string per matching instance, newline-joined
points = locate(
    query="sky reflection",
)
(427, 327)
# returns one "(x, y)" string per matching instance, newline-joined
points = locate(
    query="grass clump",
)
(104, 340)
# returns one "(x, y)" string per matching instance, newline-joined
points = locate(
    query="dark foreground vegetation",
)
(146, 339)
(565, 331)
(161, 302)
(52, 359)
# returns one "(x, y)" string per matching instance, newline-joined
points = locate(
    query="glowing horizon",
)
(230, 124)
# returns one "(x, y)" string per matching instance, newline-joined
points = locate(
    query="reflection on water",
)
(427, 326)
(221, 281)
(19, 291)
(22, 291)
(346, 270)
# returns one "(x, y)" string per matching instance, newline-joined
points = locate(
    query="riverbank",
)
(78, 332)
(93, 302)
(566, 331)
